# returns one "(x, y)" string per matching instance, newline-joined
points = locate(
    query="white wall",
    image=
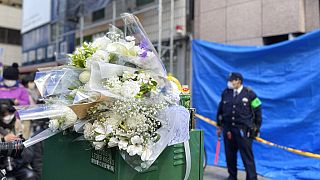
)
(11, 53)
(10, 17)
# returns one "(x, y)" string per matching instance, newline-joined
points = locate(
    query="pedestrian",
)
(239, 119)
(10, 87)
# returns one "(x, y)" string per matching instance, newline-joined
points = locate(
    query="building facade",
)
(97, 23)
(254, 22)
(10, 26)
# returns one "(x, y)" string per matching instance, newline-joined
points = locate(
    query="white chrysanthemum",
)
(101, 43)
(136, 121)
(113, 120)
(54, 124)
(130, 89)
(88, 131)
(84, 77)
(100, 55)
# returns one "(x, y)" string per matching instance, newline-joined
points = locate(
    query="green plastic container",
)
(65, 159)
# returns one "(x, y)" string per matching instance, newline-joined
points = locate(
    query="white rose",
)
(130, 89)
(98, 145)
(84, 77)
(101, 43)
(54, 124)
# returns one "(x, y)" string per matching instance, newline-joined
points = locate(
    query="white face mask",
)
(9, 83)
(8, 118)
(230, 85)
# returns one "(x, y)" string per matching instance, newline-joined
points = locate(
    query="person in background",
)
(239, 118)
(28, 83)
(10, 87)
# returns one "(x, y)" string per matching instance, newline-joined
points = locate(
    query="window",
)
(143, 2)
(275, 39)
(10, 36)
(14, 37)
(98, 15)
(3, 35)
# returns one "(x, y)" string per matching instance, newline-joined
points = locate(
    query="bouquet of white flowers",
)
(115, 92)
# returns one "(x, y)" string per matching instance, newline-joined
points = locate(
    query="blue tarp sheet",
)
(286, 77)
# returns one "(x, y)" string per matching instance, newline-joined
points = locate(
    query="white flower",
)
(101, 43)
(54, 124)
(136, 147)
(135, 121)
(79, 50)
(143, 77)
(146, 154)
(98, 145)
(103, 131)
(100, 55)
(70, 117)
(113, 120)
(84, 77)
(130, 38)
(88, 131)
(118, 48)
(113, 142)
(130, 89)
(123, 144)
(127, 75)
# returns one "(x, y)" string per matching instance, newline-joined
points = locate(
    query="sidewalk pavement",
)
(220, 173)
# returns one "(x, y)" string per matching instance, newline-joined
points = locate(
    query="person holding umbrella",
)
(239, 119)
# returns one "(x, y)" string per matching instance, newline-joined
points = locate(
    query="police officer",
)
(239, 118)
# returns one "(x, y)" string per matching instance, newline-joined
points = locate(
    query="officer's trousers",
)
(239, 141)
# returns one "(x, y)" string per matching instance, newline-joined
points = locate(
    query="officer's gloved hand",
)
(255, 132)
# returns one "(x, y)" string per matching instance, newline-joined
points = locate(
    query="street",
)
(219, 173)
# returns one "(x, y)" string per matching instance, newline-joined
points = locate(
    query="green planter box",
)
(65, 159)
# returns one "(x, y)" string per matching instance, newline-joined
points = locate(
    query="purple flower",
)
(144, 45)
(144, 54)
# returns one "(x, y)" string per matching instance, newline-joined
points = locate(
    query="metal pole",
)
(114, 12)
(171, 36)
(81, 28)
(81, 21)
(160, 28)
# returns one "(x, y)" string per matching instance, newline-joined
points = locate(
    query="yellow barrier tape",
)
(263, 141)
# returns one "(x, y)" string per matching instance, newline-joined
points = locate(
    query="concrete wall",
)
(10, 54)
(10, 17)
(246, 22)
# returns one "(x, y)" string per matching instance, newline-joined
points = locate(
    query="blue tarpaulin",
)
(286, 77)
